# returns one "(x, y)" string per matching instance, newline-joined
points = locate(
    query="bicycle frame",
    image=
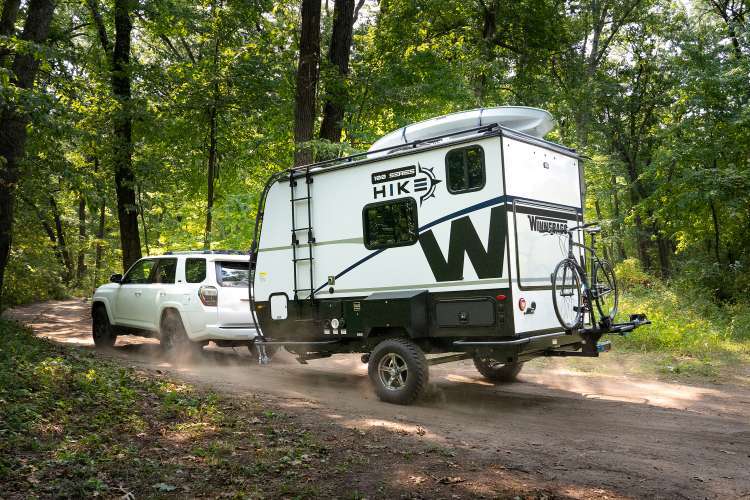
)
(581, 268)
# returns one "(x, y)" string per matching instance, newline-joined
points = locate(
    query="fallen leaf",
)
(451, 480)
(164, 487)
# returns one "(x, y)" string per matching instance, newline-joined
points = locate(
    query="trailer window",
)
(464, 169)
(390, 224)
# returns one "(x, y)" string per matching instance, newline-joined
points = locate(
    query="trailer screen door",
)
(541, 241)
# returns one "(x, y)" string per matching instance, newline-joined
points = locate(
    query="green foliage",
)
(655, 92)
(699, 336)
(73, 425)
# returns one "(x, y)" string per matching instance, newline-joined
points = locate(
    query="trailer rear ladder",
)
(296, 258)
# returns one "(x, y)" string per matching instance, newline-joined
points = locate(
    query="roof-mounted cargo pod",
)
(532, 121)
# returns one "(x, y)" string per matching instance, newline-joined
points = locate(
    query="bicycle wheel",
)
(604, 286)
(566, 294)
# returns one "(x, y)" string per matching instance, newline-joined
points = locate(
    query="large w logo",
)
(464, 240)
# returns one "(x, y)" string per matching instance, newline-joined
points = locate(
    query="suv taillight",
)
(209, 295)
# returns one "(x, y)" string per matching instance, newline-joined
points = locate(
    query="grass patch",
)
(73, 425)
(691, 334)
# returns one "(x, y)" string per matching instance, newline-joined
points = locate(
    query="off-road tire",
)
(102, 330)
(173, 337)
(495, 371)
(416, 370)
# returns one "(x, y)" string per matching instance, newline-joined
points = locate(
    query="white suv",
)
(185, 299)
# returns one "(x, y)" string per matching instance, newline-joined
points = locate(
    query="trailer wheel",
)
(398, 370)
(495, 371)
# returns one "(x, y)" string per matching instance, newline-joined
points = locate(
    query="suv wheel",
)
(398, 370)
(496, 371)
(173, 338)
(102, 331)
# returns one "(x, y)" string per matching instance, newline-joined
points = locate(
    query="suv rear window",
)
(165, 271)
(232, 273)
(195, 270)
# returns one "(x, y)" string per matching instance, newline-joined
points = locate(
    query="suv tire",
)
(495, 371)
(173, 338)
(398, 370)
(102, 330)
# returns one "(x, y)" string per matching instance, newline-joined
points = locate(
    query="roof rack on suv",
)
(207, 252)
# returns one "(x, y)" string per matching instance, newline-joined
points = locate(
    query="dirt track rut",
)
(615, 435)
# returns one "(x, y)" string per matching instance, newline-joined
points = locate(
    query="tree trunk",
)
(642, 243)
(338, 56)
(717, 234)
(122, 157)
(605, 246)
(212, 170)
(62, 244)
(99, 239)
(7, 25)
(307, 80)
(13, 123)
(211, 177)
(81, 264)
(663, 246)
(618, 227)
(142, 213)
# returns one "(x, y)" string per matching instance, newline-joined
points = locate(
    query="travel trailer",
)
(440, 240)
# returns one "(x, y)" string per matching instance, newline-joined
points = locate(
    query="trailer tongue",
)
(465, 242)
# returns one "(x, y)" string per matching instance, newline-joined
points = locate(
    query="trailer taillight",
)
(209, 296)
(522, 304)
(500, 297)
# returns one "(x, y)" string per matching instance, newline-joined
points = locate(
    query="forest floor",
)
(290, 430)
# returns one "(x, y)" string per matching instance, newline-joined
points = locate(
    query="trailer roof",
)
(468, 135)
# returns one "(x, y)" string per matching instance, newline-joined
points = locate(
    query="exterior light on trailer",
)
(500, 297)
(335, 323)
(522, 304)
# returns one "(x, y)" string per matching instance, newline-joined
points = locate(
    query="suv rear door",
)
(233, 277)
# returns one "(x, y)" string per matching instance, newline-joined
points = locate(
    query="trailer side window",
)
(390, 224)
(464, 169)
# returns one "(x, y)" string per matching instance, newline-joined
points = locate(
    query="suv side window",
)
(165, 271)
(195, 270)
(140, 273)
(464, 169)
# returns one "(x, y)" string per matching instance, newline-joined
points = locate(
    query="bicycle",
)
(573, 294)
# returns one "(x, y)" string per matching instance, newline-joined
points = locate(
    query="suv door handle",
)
(138, 293)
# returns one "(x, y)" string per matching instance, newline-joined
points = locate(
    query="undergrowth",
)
(73, 425)
(693, 333)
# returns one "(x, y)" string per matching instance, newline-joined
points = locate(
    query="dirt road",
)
(578, 434)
